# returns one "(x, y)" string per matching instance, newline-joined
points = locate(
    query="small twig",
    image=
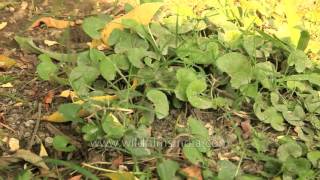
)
(239, 164)
(97, 168)
(6, 126)
(35, 130)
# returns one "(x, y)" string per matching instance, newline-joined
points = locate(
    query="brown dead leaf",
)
(51, 22)
(31, 158)
(246, 128)
(77, 177)
(6, 62)
(48, 99)
(118, 161)
(1, 117)
(193, 172)
(143, 14)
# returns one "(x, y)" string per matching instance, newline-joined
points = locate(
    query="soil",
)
(23, 104)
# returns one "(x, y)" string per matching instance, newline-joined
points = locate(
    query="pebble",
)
(11, 9)
(78, 21)
(27, 134)
(29, 123)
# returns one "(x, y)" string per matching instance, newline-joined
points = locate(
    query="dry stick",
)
(6, 126)
(35, 130)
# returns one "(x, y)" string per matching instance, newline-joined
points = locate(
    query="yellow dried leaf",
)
(50, 43)
(43, 152)
(3, 25)
(6, 63)
(19, 104)
(13, 144)
(142, 14)
(6, 85)
(55, 117)
(97, 43)
(65, 93)
(58, 117)
(51, 22)
(68, 93)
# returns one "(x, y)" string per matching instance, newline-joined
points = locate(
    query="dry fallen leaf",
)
(97, 43)
(3, 25)
(58, 117)
(48, 99)
(50, 43)
(51, 22)
(19, 104)
(246, 128)
(118, 161)
(142, 14)
(77, 177)
(1, 117)
(6, 85)
(6, 62)
(68, 93)
(13, 144)
(31, 158)
(193, 172)
(43, 152)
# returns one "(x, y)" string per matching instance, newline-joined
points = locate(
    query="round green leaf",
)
(135, 56)
(184, 76)
(194, 89)
(191, 152)
(289, 149)
(167, 169)
(237, 66)
(160, 102)
(70, 110)
(93, 25)
(108, 69)
(81, 77)
(300, 60)
(46, 68)
(112, 126)
(61, 143)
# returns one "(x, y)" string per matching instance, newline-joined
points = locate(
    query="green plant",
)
(224, 63)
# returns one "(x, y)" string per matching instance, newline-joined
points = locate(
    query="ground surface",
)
(23, 104)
